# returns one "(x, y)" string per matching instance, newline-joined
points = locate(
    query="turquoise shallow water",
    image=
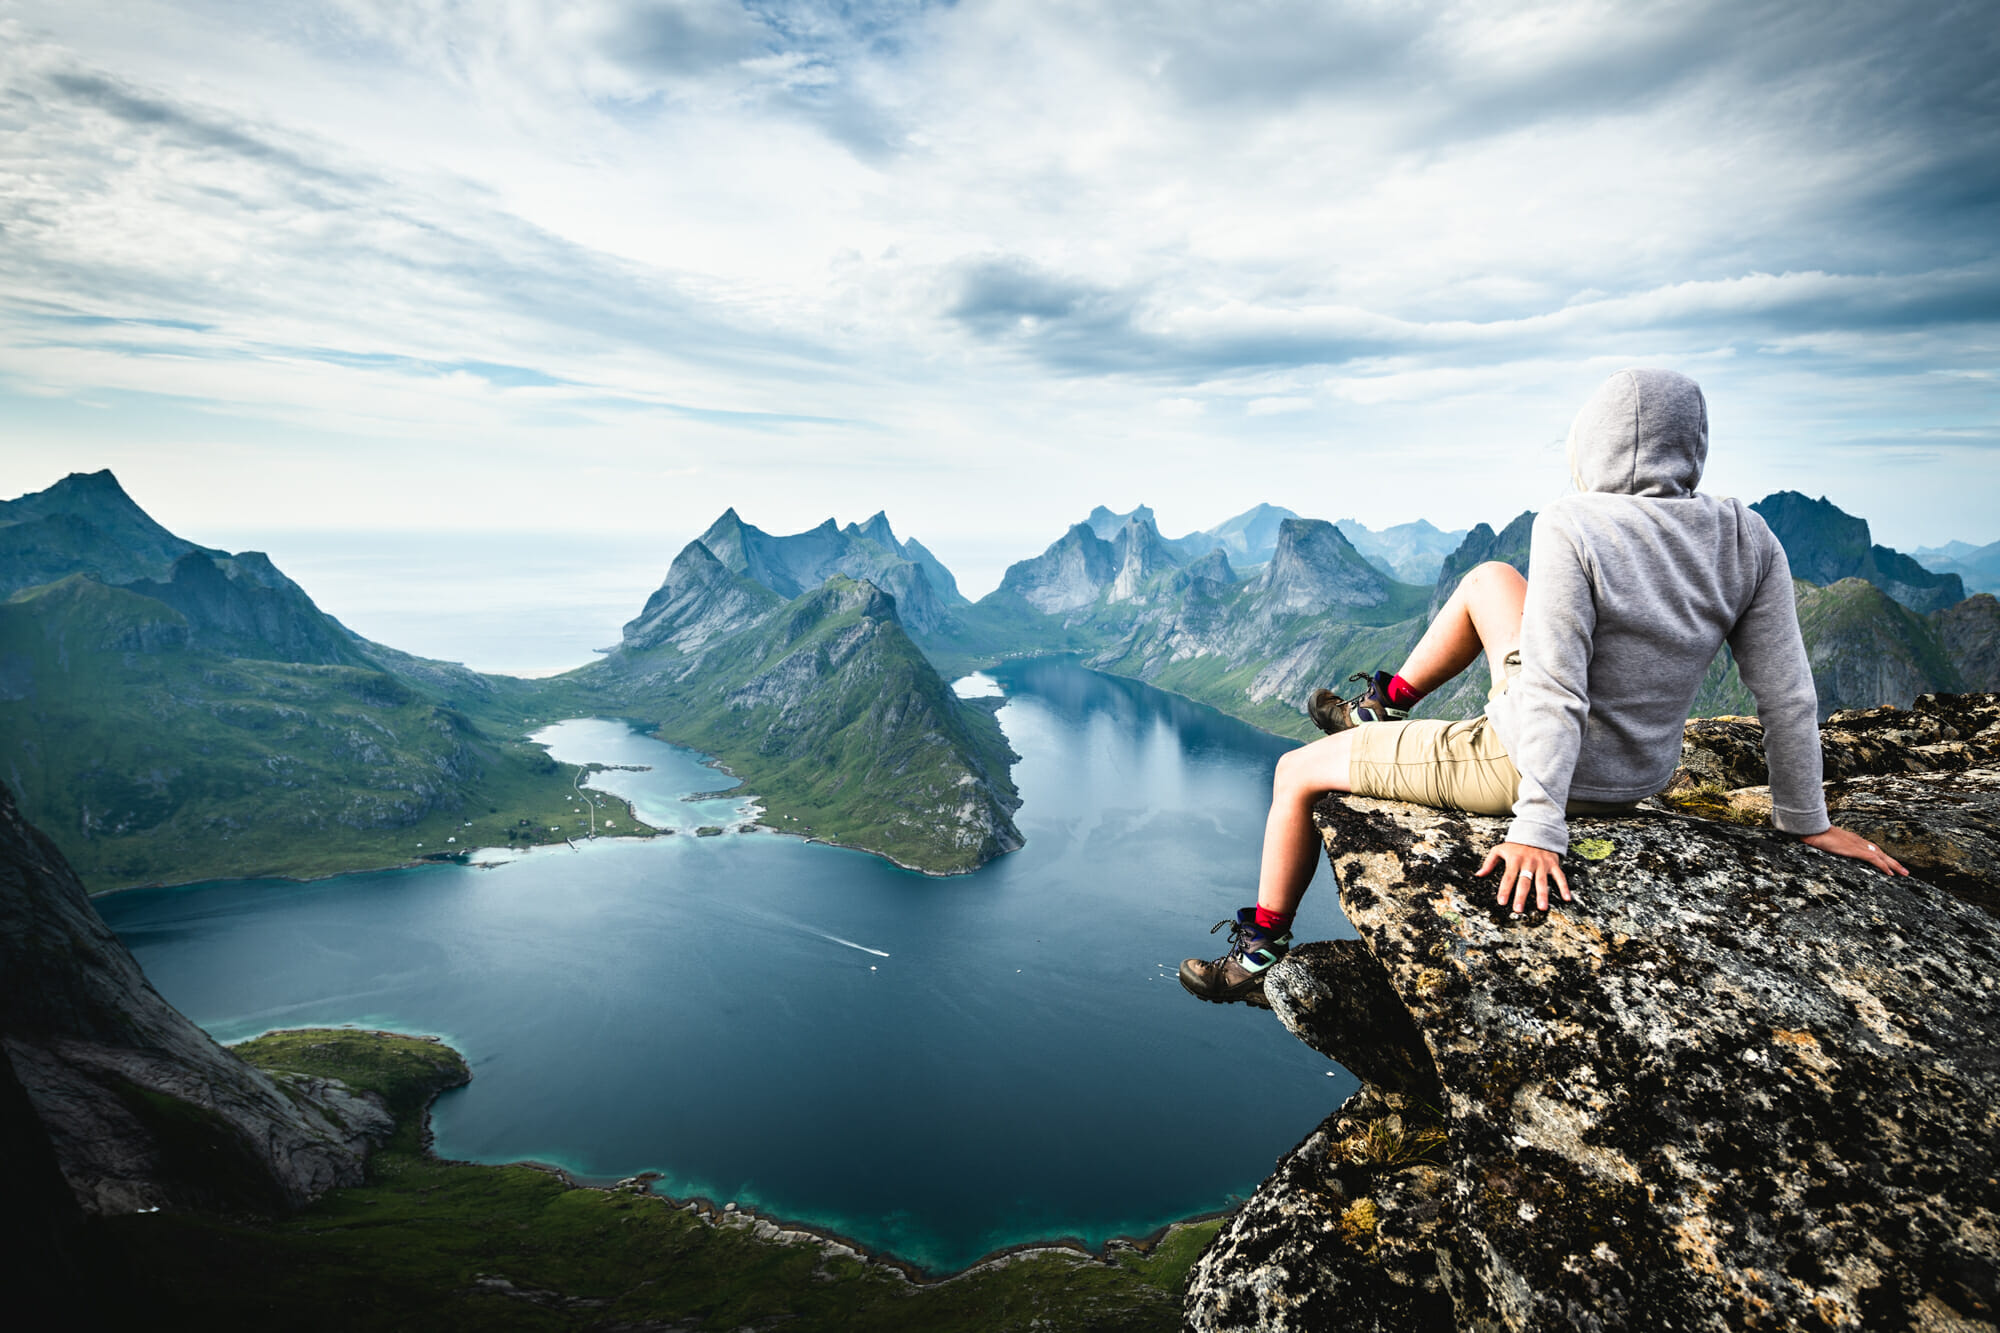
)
(934, 1067)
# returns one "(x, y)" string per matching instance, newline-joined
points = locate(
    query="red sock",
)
(1402, 694)
(1275, 922)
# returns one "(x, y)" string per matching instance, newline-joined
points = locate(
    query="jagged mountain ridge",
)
(924, 589)
(821, 703)
(1825, 545)
(1257, 656)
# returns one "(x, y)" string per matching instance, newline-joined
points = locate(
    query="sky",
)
(541, 270)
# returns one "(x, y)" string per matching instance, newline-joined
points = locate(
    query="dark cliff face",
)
(1824, 544)
(1738, 1083)
(138, 1106)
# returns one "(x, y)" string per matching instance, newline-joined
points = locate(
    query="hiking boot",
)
(1238, 974)
(1331, 713)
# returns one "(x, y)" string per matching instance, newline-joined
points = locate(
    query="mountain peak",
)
(1107, 524)
(1314, 567)
(1824, 544)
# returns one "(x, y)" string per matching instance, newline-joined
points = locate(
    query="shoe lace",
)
(1243, 942)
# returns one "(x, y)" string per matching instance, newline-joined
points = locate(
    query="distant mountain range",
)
(1979, 566)
(172, 712)
(169, 711)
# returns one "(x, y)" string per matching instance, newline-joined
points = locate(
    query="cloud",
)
(945, 234)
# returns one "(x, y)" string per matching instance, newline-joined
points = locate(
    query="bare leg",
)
(1291, 843)
(1482, 613)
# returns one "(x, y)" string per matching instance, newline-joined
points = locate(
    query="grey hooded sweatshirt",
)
(1634, 583)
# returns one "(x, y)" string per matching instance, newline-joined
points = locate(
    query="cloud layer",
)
(795, 256)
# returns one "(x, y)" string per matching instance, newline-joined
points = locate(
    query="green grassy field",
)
(432, 1244)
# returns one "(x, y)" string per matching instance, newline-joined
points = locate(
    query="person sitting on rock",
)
(1634, 582)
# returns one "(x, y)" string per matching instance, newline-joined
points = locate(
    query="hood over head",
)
(1644, 432)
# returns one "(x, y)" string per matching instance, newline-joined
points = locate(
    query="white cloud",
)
(1271, 407)
(945, 253)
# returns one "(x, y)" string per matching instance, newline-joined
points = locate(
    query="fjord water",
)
(934, 1067)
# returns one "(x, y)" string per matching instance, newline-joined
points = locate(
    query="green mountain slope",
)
(822, 705)
(1257, 648)
(171, 712)
(150, 758)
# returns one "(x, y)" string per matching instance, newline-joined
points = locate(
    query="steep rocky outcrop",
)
(1066, 578)
(1316, 570)
(139, 1108)
(1739, 1083)
(700, 600)
(1824, 544)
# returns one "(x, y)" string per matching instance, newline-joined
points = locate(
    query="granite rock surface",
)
(139, 1106)
(1738, 1083)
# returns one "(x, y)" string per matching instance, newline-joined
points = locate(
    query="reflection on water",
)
(936, 1067)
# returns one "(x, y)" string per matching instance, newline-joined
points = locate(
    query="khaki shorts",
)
(1448, 765)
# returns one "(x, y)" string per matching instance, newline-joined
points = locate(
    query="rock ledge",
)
(1738, 1084)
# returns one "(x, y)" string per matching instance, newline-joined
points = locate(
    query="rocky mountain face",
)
(137, 1106)
(1738, 1083)
(1245, 540)
(821, 703)
(1825, 545)
(700, 601)
(924, 590)
(1066, 578)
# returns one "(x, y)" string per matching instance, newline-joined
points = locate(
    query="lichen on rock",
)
(1738, 1083)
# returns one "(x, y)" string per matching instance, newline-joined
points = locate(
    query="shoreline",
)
(779, 1231)
(754, 824)
(763, 1225)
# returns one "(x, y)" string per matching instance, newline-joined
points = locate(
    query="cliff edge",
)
(1739, 1083)
(139, 1108)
